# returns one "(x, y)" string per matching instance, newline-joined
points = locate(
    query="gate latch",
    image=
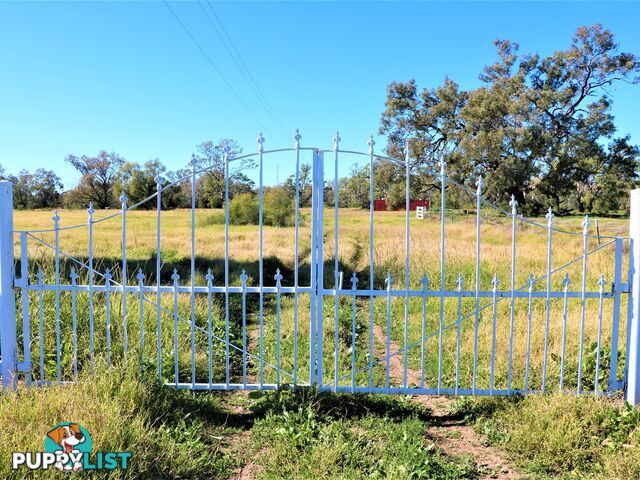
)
(620, 288)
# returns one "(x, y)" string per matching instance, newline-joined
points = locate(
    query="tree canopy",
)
(99, 174)
(538, 128)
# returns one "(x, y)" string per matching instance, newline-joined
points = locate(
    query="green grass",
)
(350, 437)
(562, 436)
(172, 434)
(182, 434)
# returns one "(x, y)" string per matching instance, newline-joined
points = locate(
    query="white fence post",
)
(633, 355)
(7, 296)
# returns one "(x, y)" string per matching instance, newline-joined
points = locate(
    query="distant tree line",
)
(39, 189)
(105, 176)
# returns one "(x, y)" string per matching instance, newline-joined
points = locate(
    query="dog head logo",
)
(71, 439)
(67, 436)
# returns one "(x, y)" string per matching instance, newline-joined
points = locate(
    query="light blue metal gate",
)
(408, 335)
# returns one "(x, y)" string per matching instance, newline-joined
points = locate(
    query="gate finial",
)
(277, 277)
(336, 141)
(495, 282)
(586, 223)
(601, 282)
(443, 166)
(424, 281)
(175, 277)
(566, 281)
(460, 282)
(531, 281)
(388, 281)
(514, 205)
(73, 275)
(371, 143)
(243, 277)
(260, 142)
(107, 274)
(297, 138)
(140, 275)
(56, 218)
(123, 199)
(158, 180)
(354, 280)
(550, 217)
(90, 211)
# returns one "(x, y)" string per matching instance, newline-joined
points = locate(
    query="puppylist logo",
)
(67, 447)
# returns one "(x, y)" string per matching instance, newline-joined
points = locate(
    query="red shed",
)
(381, 205)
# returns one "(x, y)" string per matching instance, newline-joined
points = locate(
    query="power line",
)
(248, 76)
(218, 71)
(252, 84)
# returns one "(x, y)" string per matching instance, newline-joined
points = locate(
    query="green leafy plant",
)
(244, 210)
(278, 208)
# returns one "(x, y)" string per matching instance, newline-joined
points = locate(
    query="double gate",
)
(485, 303)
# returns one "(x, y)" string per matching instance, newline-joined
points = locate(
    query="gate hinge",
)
(620, 288)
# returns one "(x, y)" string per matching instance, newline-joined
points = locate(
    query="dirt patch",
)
(448, 432)
(250, 469)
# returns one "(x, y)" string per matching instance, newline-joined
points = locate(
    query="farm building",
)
(380, 205)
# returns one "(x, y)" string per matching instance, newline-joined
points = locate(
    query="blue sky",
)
(79, 77)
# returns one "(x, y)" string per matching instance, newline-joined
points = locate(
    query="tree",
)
(40, 189)
(605, 188)
(534, 129)
(22, 186)
(45, 189)
(304, 185)
(211, 188)
(178, 195)
(278, 208)
(354, 190)
(244, 210)
(99, 174)
(138, 181)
